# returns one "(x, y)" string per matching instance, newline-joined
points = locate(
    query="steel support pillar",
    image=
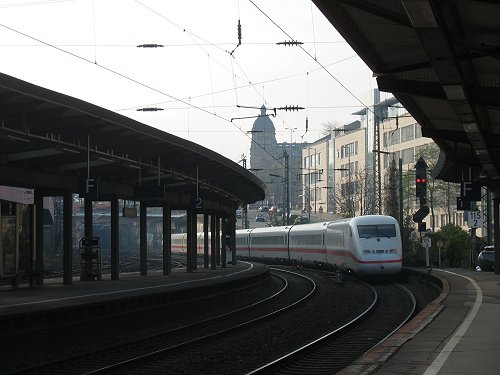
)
(167, 239)
(189, 240)
(115, 239)
(213, 241)
(38, 271)
(217, 240)
(88, 216)
(194, 229)
(232, 240)
(496, 231)
(67, 238)
(143, 239)
(223, 240)
(206, 259)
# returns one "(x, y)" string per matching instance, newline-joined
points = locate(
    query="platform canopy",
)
(440, 59)
(54, 142)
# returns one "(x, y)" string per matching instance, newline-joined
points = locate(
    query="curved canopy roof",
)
(52, 142)
(440, 59)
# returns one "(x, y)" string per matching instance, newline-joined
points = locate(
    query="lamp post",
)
(309, 157)
(290, 159)
(284, 187)
(306, 195)
(316, 171)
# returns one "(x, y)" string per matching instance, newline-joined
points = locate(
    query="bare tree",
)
(351, 198)
(327, 127)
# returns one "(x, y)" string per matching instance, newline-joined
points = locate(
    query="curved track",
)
(339, 348)
(141, 355)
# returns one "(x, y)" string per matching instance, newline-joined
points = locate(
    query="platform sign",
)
(463, 204)
(470, 191)
(198, 204)
(475, 219)
(18, 195)
(426, 242)
(89, 188)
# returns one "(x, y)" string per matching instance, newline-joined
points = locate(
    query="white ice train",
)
(366, 245)
(179, 244)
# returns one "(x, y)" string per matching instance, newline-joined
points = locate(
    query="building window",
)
(349, 149)
(408, 155)
(418, 131)
(408, 133)
(391, 138)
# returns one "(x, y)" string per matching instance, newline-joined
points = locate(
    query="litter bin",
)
(90, 258)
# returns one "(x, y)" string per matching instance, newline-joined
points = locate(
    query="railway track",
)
(146, 354)
(337, 349)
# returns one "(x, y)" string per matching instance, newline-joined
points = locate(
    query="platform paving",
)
(459, 333)
(26, 307)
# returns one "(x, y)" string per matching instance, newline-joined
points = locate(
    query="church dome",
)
(263, 123)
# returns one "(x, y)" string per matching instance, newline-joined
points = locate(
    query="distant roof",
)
(51, 141)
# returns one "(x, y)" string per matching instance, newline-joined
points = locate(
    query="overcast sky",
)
(201, 77)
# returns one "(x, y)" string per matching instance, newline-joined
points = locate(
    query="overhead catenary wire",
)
(235, 88)
(192, 35)
(94, 31)
(30, 3)
(173, 99)
(133, 80)
(211, 83)
(314, 34)
(312, 57)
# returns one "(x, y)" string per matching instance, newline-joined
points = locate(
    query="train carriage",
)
(243, 243)
(307, 243)
(366, 245)
(376, 245)
(179, 245)
(338, 244)
(269, 242)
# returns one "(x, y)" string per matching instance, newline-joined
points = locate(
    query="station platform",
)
(458, 333)
(31, 308)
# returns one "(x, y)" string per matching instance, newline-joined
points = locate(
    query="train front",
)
(378, 245)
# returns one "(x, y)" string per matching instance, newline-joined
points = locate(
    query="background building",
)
(267, 161)
(314, 176)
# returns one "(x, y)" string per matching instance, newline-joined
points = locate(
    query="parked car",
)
(260, 218)
(486, 259)
(301, 220)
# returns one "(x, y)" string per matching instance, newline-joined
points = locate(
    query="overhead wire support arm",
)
(242, 118)
(150, 45)
(150, 109)
(239, 38)
(290, 108)
(289, 43)
(251, 107)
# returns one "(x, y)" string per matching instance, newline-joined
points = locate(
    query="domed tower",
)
(263, 152)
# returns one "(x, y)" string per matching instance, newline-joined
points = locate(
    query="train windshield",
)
(380, 230)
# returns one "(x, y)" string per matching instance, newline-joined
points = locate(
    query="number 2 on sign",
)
(475, 219)
(199, 203)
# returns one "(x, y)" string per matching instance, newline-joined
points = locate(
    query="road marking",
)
(455, 339)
